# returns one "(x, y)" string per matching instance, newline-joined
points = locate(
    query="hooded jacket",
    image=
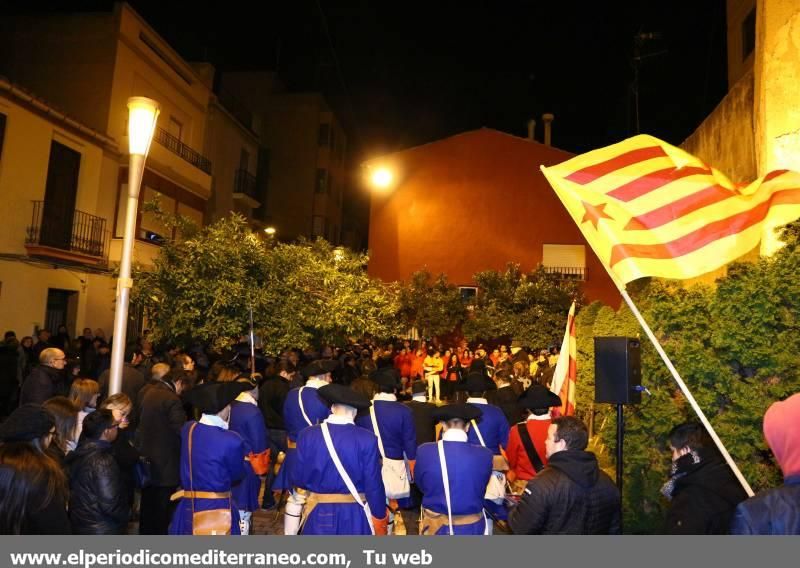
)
(569, 496)
(97, 502)
(777, 511)
(703, 500)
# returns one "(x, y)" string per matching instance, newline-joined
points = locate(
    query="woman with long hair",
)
(33, 488)
(65, 414)
(452, 376)
(84, 394)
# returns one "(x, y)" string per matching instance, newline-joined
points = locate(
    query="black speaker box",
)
(617, 370)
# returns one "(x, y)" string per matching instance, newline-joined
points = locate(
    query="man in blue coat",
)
(248, 422)
(452, 475)
(338, 471)
(212, 460)
(490, 431)
(303, 408)
(393, 423)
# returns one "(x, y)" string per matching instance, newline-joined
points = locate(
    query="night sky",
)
(400, 74)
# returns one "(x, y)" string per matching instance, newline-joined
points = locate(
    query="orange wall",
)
(473, 202)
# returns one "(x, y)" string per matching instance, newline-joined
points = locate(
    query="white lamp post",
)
(142, 117)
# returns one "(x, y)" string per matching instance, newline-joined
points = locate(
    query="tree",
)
(202, 287)
(531, 308)
(432, 305)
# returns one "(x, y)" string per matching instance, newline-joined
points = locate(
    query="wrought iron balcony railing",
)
(567, 272)
(79, 233)
(174, 145)
(245, 182)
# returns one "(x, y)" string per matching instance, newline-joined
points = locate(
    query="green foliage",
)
(432, 305)
(734, 344)
(531, 308)
(202, 287)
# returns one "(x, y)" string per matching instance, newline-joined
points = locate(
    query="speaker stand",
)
(620, 440)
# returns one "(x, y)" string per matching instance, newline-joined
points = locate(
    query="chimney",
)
(547, 118)
(532, 130)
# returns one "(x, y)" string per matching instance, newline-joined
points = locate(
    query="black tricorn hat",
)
(539, 396)
(418, 387)
(319, 367)
(386, 377)
(210, 398)
(465, 412)
(340, 394)
(28, 422)
(476, 381)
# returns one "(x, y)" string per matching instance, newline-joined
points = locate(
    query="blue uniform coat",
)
(217, 463)
(396, 425)
(315, 471)
(468, 469)
(247, 421)
(317, 411)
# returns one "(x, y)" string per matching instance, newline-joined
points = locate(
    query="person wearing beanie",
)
(338, 473)
(213, 459)
(32, 484)
(248, 422)
(452, 475)
(777, 510)
(302, 408)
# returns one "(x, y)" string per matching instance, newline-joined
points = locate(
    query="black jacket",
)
(703, 501)
(569, 496)
(775, 511)
(423, 421)
(158, 435)
(271, 397)
(506, 399)
(97, 502)
(132, 382)
(43, 383)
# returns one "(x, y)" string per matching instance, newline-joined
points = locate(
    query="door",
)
(61, 310)
(59, 196)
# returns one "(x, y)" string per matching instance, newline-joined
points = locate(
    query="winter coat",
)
(569, 496)
(158, 436)
(775, 511)
(98, 503)
(703, 501)
(43, 383)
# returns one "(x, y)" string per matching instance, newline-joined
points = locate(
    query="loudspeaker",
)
(617, 370)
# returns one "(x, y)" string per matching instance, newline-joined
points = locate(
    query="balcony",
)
(567, 272)
(78, 238)
(245, 188)
(190, 155)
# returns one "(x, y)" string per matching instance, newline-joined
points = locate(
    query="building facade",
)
(477, 201)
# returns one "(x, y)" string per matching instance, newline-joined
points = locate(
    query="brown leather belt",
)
(432, 521)
(291, 445)
(314, 499)
(183, 494)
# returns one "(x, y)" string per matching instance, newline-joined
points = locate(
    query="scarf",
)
(680, 468)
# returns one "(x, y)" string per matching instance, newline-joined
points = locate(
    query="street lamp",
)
(270, 231)
(142, 117)
(382, 178)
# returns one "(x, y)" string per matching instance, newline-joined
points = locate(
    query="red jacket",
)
(516, 454)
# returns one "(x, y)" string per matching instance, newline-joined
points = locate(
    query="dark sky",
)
(405, 73)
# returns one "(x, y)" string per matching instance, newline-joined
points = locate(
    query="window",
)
(244, 160)
(150, 228)
(322, 181)
(175, 128)
(568, 262)
(749, 34)
(324, 135)
(2, 132)
(318, 223)
(468, 294)
(329, 189)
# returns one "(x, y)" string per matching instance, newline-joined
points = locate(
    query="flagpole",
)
(684, 389)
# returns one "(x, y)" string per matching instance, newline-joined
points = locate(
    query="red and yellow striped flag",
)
(565, 376)
(650, 209)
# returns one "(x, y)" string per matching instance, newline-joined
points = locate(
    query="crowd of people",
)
(359, 439)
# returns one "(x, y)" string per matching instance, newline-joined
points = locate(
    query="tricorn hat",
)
(465, 412)
(210, 398)
(340, 394)
(539, 396)
(386, 377)
(319, 367)
(476, 381)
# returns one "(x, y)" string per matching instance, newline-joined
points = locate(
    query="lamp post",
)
(142, 117)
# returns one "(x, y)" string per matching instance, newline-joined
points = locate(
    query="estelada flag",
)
(565, 376)
(650, 209)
